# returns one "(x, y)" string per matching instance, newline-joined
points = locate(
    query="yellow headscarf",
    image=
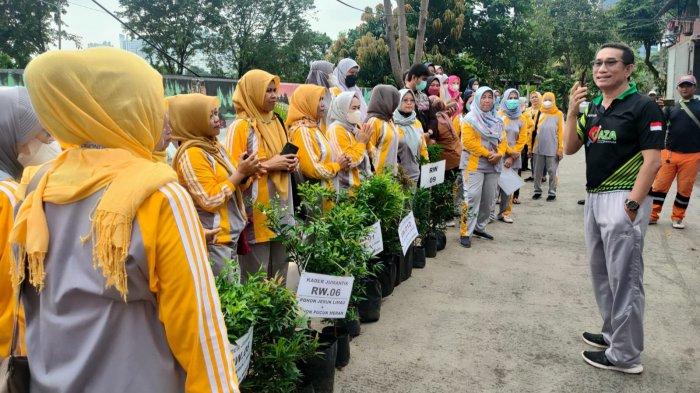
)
(303, 105)
(549, 96)
(248, 99)
(109, 103)
(189, 117)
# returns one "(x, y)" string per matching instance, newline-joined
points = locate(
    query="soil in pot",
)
(342, 358)
(418, 257)
(370, 308)
(441, 240)
(430, 244)
(320, 369)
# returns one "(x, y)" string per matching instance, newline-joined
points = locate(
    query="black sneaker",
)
(530, 179)
(581, 202)
(536, 196)
(550, 198)
(594, 340)
(465, 241)
(483, 235)
(599, 360)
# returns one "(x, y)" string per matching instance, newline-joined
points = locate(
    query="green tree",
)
(28, 28)
(637, 23)
(264, 34)
(176, 27)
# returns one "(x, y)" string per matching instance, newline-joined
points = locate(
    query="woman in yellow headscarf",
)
(257, 130)
(533, 111)
(317, 161)
(204, 169)
(548, 146)
(115, 254)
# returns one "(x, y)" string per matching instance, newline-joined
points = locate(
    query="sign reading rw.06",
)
(324, 296)
(432, 174)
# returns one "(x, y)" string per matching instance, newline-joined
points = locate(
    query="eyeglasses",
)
(608, 63)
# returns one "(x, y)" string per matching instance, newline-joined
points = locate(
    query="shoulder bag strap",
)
(690, 114)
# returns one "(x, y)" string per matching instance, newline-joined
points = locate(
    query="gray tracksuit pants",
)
(481, 196)
(551, 163)
(615, 246)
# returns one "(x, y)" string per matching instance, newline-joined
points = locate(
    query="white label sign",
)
(432, 174)
(408, 231)
(374, 242)
(324, 296)
(242, 350)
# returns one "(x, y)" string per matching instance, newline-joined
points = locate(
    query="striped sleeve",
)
(188, 303)
(343, 143)
(198, 175)
(8, 299)
(581, 126)
(311, 164)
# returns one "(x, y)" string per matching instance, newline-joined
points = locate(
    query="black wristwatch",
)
(631, 205)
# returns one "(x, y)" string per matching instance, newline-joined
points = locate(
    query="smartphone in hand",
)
(289, 148)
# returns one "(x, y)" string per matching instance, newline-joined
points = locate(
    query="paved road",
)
(506, 316)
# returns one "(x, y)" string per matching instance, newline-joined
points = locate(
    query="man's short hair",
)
(627, 52)
(417, 70)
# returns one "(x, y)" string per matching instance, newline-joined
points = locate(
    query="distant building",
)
(682, 37)
(98, 44)
(133, 46)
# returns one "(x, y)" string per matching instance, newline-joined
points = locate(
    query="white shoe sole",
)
(591, 343)
(627, 370)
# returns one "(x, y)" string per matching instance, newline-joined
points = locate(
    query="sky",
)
(85, 19)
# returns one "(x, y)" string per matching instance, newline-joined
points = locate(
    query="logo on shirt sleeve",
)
(656, 126)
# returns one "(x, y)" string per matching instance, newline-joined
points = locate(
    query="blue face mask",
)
(421, 85)
(512, 104)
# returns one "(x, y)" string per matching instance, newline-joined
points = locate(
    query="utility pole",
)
(58, 21)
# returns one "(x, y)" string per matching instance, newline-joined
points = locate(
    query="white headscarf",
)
(340, 72)
(489, 125)
(18, 125)
(407, 124)
(338, 111)
(515, 113)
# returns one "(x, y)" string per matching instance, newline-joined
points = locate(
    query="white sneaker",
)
(450, 224)
(678, 224)
(506, 219)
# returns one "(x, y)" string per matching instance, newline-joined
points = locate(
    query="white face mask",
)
(39, 153)
(355, 117)
(547, 104)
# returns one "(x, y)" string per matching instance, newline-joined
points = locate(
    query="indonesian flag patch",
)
(656, 126)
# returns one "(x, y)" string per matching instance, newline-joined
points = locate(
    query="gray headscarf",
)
(18, 125)
(340, 72)
(407, 124)
(384, 100)
(338, 111)
(319, 75)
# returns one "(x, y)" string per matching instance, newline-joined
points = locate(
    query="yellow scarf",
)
(303, 105)
(111, 100)
(248, 99)
(549, 96)
(539, 105)
(189, 116)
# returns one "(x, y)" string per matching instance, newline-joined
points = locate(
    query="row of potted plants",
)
(329, 238)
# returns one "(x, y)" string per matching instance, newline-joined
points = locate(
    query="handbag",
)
(14, 370)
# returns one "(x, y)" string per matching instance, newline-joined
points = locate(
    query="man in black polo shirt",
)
(681, 158)
(623, 134)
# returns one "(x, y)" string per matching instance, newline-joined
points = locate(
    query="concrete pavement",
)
(506, 315)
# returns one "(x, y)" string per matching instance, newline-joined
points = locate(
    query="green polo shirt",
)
(614, 138)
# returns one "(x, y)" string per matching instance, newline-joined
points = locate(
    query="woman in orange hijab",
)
(317, 161)
(204, 169)
(257, 130)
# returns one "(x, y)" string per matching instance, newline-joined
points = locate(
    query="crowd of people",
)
(116, 249)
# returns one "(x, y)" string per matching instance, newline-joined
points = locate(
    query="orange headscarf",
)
(248, 100)
(303, 105)
(549, 96)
